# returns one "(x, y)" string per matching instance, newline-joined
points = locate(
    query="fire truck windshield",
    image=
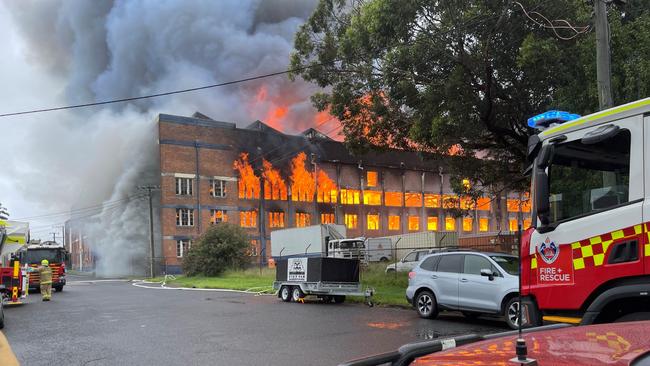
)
(35, 256)
(585, 178)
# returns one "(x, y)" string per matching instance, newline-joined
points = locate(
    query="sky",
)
(67, 52)
(58, 53)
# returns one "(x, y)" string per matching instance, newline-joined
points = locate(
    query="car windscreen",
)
(35, 256)
(509, 264)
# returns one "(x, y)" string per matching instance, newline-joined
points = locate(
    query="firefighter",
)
(45, 274)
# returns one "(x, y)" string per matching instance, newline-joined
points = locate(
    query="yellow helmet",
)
(45, 262)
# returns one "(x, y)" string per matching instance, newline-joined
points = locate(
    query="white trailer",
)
(326, 240)
(379, 249)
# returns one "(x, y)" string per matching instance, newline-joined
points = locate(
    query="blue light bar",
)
(548, 117)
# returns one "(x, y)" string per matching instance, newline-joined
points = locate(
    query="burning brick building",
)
(262, 180)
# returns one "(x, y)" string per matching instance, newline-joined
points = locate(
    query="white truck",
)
(379, 249)
(326, 240)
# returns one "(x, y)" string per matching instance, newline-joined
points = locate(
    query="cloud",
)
(68, 52)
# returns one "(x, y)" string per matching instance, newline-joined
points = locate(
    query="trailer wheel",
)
(339, 299)
(297, 294)
(285, 293)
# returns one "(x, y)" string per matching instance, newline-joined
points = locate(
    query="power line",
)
(83, 210)
(555, 24)
(149, 96)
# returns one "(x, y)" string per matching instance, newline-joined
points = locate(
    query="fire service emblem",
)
(548, 251)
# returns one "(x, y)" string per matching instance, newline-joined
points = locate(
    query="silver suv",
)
(473, 282)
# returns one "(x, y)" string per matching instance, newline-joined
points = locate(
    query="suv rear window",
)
(430, 263)
(450, 263)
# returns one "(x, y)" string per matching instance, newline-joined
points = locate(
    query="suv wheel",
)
(511, 313)
(425, 305)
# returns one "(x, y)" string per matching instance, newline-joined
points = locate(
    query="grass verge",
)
(389, 288)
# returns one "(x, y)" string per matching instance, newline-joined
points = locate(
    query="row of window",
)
(217, 188)
(248, 219)
(184, 187)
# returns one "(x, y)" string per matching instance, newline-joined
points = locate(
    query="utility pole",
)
(603, 55)
(151, 242)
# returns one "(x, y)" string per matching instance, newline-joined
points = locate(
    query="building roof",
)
(261, 140)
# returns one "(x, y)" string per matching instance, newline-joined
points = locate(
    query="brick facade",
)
(201, 149)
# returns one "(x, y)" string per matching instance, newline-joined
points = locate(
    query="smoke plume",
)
(115, 49)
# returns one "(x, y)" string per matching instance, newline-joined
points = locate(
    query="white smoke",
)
(106, 50)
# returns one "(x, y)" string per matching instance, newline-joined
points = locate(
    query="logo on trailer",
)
(548, 251)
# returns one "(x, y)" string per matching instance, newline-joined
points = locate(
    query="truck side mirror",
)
(541, 196)
(545, 156)
(534, 144)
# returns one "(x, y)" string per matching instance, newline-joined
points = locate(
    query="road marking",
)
(141, 284)
(91, 281)
(7, 357)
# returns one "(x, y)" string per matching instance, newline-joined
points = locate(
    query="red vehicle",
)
(587, 257)
(556, 345)
(611, 344)
(55, 253)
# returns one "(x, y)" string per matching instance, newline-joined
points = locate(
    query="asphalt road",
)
(116, 323)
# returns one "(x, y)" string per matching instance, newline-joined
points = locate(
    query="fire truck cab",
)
(55, 253)
(586, 258)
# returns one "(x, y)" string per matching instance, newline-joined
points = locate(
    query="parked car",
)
(557, 344)
(411, 259)
(474, 283)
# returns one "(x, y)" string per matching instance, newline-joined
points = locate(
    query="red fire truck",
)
(587, 257)
(55, 253)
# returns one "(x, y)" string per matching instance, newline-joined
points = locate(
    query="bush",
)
(221, 247)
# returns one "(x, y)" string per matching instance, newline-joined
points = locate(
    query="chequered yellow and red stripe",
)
(610, 340)
(591, 252)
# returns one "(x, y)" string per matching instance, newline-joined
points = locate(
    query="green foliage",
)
(438, 74)
(221, 247)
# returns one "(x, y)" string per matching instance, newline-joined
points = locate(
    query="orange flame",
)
(249, 183)
(302, 181)
(327, 190)
(274, 186)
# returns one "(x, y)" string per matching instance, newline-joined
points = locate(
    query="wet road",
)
(116, 323)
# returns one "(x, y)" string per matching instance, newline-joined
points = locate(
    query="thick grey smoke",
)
(114, 49)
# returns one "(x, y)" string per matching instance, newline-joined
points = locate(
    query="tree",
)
(223, 246)
(456, 75)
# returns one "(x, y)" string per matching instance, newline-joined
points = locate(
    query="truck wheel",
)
(58, 288)
(297, 294)
(339, 299)
(383, 259)
(285, 293)
(511, 313)
(425, 305)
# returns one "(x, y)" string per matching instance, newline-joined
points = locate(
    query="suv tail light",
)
(411, 275)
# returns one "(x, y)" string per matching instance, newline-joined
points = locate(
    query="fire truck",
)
(32, 255)
(586, 258)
